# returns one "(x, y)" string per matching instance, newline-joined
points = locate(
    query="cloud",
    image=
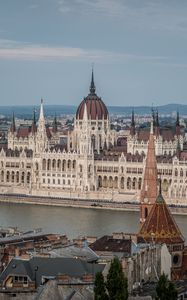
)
(23, 51)
(107, 7)
(168, 15)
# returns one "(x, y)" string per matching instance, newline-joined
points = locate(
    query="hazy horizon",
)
(138, 49)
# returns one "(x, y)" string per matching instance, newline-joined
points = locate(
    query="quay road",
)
(82, 203)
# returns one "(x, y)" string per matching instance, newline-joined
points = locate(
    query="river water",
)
(74, 222)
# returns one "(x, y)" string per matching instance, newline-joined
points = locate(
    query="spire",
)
(34, 116)
(177, 124)
(34, 128)
(92, 85)
(157, 119)
(41, 111)
(55, 128)
(153, 116)
(177, 119)
(149, 187)
(13, 124)
(157, 126)
(132, 119)
(132, 130)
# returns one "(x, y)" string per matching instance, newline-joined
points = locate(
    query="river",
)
(74, 222)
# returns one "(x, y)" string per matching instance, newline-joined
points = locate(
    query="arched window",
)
(28, 177)
(54, 165)
(8, 176)
(122, 183)
(69, 164)
(22, 177)
(100, 181)
(44, 164)
(74, 164)
(17, 177)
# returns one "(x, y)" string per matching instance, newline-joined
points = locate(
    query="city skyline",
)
(47, 49)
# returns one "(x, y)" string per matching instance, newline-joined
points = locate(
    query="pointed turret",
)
(55, 127)
(41, 117)
(41, 131)
(34, 128)
(160, 225)
(13, 124)
(92, 85)
(157, 126)
(153, 117)
(178, 129)
(149, 187)
(132, 130)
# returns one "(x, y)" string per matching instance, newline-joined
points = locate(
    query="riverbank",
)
(81, 203)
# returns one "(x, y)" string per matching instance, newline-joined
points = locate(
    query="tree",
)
(117, 285)
(165, 289)
(100, 287)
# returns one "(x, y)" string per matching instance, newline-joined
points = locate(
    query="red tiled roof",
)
(167, 134)
(23, 132)
(160, 225)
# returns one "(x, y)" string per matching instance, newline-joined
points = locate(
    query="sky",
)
(138, 49)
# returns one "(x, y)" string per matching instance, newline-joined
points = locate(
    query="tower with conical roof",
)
(160, 227)
(149, 187)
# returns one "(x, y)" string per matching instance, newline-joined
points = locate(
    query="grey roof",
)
(85, 253)
(50, 267)
(23, 237)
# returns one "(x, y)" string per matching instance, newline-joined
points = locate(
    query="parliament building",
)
(95, 162)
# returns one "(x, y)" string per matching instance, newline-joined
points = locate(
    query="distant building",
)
(91, 159)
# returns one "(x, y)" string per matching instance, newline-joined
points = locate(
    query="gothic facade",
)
(95, 160)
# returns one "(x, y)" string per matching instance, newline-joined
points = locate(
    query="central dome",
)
(96, 108)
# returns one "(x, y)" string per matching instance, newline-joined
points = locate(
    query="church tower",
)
(149, 189)
(159, 228)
